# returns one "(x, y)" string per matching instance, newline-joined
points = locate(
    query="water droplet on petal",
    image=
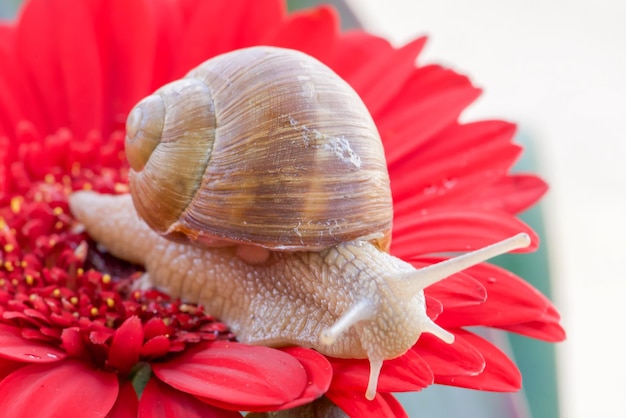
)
(32, 356)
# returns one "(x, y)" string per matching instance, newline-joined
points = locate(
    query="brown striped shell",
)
(265, 146)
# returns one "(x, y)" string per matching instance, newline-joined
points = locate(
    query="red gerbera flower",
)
(68, 79)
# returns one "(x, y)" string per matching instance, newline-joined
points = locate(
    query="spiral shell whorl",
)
(169, 139)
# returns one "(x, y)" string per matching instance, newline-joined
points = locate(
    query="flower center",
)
(56, 285)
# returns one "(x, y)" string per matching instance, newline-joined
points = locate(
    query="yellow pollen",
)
(121, 188)
(56, 293)
(93, 311)
(29, 279)
(58, 225)
(80, 271)
(74, 300)
(52, 242)
(2, 282)
(87, 186)
(8, 266)
(57, 211)
(23, 264)
(3, 223)
(14, 282)
(110, 302)
(8, 247)
(106, 278)
(49, 178)
(32, 296)
(16, 204)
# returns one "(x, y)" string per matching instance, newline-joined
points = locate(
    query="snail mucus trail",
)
(259, 189)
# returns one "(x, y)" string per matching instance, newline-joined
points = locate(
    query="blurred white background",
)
(558, 69)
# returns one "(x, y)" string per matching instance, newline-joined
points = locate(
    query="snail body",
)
(259, 190)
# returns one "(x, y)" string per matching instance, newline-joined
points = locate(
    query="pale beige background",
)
(558, 68)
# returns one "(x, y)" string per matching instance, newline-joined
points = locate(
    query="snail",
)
(259, 189)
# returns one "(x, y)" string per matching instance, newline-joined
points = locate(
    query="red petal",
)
(14, 347)
(510, 301)
(313, 31)
(455, 229)
(500, 373)
(127, 36)
(72, 342)
(457, 290)
(7, 367)
(126, 404)
(457, 359)
(451, 179)
(512, 194)
(352, 50)
(67, 75)
(126, 345)
(242, 375)
(156, 347)
(159, 400)
(408, 372)
(63, 389)
(355, 405)
(547, 330)
(318, 370)
(430, 101)
(202, 41)
(380, 79)
(17, 100)
(155, 327)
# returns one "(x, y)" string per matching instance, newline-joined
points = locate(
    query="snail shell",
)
(263, 145)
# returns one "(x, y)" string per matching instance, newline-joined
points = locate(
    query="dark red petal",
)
(319, 373)
(203, 39)
(127, 404)
(455, 229)
(355, 405)
(512, 194)
(14, 347)
(510, 301)
(64, 389)
(126, 345)
(242, 375)
(408, 372)
(8, 366)
(457, 359)
(500, 373)
(159, 400)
